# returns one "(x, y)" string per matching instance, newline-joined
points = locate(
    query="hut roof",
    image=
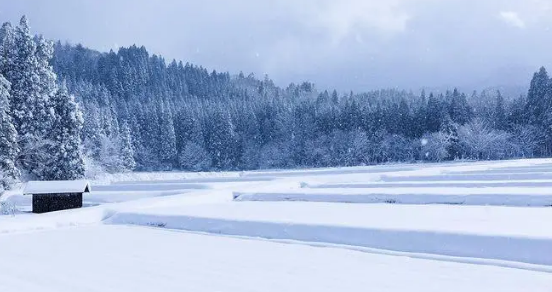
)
(56, 187)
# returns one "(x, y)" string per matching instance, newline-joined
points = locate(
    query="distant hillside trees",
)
(182, 117)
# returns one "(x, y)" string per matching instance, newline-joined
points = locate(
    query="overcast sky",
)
(343, 44)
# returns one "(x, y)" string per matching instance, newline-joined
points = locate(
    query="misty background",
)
(349, 45)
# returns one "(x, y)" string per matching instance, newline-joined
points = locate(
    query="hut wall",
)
(56, 202)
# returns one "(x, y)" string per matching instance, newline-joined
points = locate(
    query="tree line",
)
(141, 113)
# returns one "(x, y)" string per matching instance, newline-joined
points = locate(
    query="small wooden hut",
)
(50, 196)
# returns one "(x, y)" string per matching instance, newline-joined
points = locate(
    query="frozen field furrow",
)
(429, 194)
(431, 184)
(510, 234)
(532, 169)
(405, 199)
(201, 180)
(150, 187)
(469, 177)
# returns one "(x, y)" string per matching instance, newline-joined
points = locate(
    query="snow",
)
(419, 184)
(122, 258)
(56, 187)
(510, 234)
(142, 177)
(498, 196)
(472, 177)
(441, 227)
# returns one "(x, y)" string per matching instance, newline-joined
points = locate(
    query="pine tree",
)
(460, 111)
(500, 122)
(7, 49)
(24, 78)
(127, 149)
(536, 98)
(47, 85)
(450, 129)
(405, 119)
(8, 139)
(91, 132)
(166, 140)
(537, 109)
(67, 161)
(30, 104)
(434, 116)
(219, 139)
(335, 97)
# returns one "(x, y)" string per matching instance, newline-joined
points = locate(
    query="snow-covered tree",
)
(434, 146)
(7, 49)
(30, 101)
(194, 158)
(47, 85)
(67, 160)
(91, 133)
(478, 141)
(127, 149)
(459, 110)
(24, 78)
(220, 139)
(8, 138)
(526, 139)
(110, 154)
(537, 99)
(167, 138)
(499, 117)
(396, 148)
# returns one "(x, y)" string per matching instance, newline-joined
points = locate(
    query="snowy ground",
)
(435, 227)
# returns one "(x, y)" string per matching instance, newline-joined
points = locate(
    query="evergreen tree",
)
(536, 98)
(25, 91)
(460, 111)
(30, 107)
(8, 139)
(7, 49)
(91, 133)
(450, 129)
(419, 117)
(500, 122)
(127, 149)
(404, 120)
(219, 139)
(434, 117)
(47, 86)
(335, 97)
(67, 161)
(166, 138)
(194, 158)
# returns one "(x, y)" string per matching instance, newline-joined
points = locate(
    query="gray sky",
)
(345, 44)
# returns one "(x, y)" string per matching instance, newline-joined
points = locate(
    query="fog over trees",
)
(62, 105)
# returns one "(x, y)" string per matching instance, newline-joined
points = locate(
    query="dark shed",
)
(49, 196)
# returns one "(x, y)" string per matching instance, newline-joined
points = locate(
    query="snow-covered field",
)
(422, 227)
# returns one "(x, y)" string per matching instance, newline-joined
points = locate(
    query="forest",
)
(67, 111)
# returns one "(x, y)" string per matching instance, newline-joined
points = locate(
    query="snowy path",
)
(120, 258)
